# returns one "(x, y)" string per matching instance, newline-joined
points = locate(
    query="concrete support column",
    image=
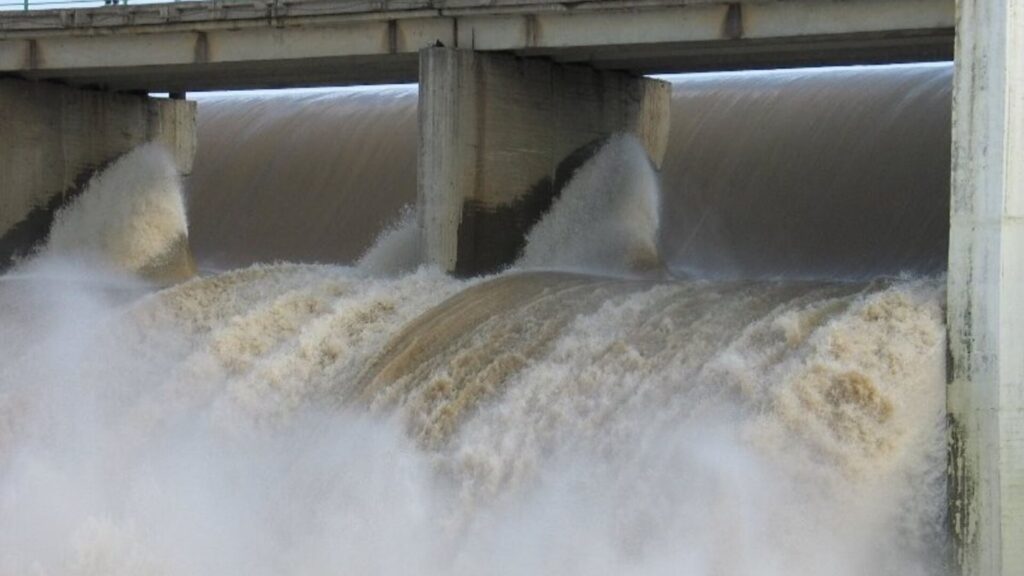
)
(500, 135)
(53, 138)
(986, 289)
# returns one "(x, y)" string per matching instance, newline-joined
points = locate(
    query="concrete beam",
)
(216, 45)
(986, 290)
(55, 137)
(500, 135)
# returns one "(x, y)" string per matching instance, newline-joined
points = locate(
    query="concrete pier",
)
(500, 135)
(55, 137)
(986, 290)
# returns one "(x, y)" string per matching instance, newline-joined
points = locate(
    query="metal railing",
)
(7, 5)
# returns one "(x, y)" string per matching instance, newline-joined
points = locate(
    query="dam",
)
(537, 314)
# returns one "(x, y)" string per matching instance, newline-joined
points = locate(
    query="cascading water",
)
(382, 418)
(837, 173)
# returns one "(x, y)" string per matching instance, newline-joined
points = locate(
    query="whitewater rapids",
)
(308, 420)
(387, 419)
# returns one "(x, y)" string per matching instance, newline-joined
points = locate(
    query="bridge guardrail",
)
(22, 5)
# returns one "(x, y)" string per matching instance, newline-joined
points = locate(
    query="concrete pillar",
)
(53, 138)
(986, 290)
(499, 135)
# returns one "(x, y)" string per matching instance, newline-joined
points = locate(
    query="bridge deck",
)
(279, 43)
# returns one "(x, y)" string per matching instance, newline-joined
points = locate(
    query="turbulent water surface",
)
(567, 416)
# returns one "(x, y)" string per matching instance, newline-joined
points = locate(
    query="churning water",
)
(567, 416)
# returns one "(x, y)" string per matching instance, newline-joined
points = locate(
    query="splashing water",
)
(606, 219)
(397, 249)
(387, 419)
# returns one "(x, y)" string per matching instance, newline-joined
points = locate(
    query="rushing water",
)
(565, 416)
(840, 173)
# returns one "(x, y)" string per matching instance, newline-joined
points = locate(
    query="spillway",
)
(835, 173)
(317, 403)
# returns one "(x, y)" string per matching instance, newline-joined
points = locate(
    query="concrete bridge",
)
(514, 93)
(277, 43)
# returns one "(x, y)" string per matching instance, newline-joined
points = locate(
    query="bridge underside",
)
(200, 46)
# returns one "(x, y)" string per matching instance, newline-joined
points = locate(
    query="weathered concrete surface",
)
(276, 43)
(499, 135)
(53, 139)
(986, 289)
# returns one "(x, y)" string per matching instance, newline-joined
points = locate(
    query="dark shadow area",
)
(481, 250)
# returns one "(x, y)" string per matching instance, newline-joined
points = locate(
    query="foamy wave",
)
(518, 425)
(397, 249)
(131, 216)
(605, 221)
(606, 218)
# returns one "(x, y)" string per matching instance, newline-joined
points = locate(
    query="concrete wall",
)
(986, 290)
(499, 135)
(53, 139)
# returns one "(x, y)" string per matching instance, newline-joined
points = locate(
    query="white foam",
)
(129, 216)
(606, 218)
(397, 249)
(577, 424)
